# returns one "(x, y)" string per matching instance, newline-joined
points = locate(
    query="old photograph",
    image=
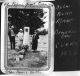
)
(28, 38)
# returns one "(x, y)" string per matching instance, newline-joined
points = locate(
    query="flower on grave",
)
(25, 47)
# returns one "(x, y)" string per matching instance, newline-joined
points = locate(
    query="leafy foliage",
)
(25, 17)
(43, 32)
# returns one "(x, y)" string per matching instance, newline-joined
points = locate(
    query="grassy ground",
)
(31, 59)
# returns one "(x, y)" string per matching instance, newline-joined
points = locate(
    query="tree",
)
(26, 17)
(43, 32)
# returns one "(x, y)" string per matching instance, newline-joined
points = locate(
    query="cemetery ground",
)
(31, 59)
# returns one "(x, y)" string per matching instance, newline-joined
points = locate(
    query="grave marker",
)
(26, 36)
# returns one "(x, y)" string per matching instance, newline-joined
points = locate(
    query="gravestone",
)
(26, 36)
(19, 57)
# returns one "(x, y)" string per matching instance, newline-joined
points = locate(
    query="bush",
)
(25, 47)
(44, 32)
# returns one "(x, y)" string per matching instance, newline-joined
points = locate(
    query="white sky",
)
(47, 17)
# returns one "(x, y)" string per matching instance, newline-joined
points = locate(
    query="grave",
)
(26, 36)
(19, 57)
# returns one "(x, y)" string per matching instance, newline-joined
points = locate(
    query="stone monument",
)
(26, 36)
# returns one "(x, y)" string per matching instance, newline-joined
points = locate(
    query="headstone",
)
(21, 56)
(17, 59)
(26, 36)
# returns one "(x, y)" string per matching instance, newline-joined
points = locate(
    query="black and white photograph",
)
(41, 38)
(28, 38)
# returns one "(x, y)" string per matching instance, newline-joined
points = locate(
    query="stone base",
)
(19, 57)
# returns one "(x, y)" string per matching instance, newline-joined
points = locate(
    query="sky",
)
(46, 18)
